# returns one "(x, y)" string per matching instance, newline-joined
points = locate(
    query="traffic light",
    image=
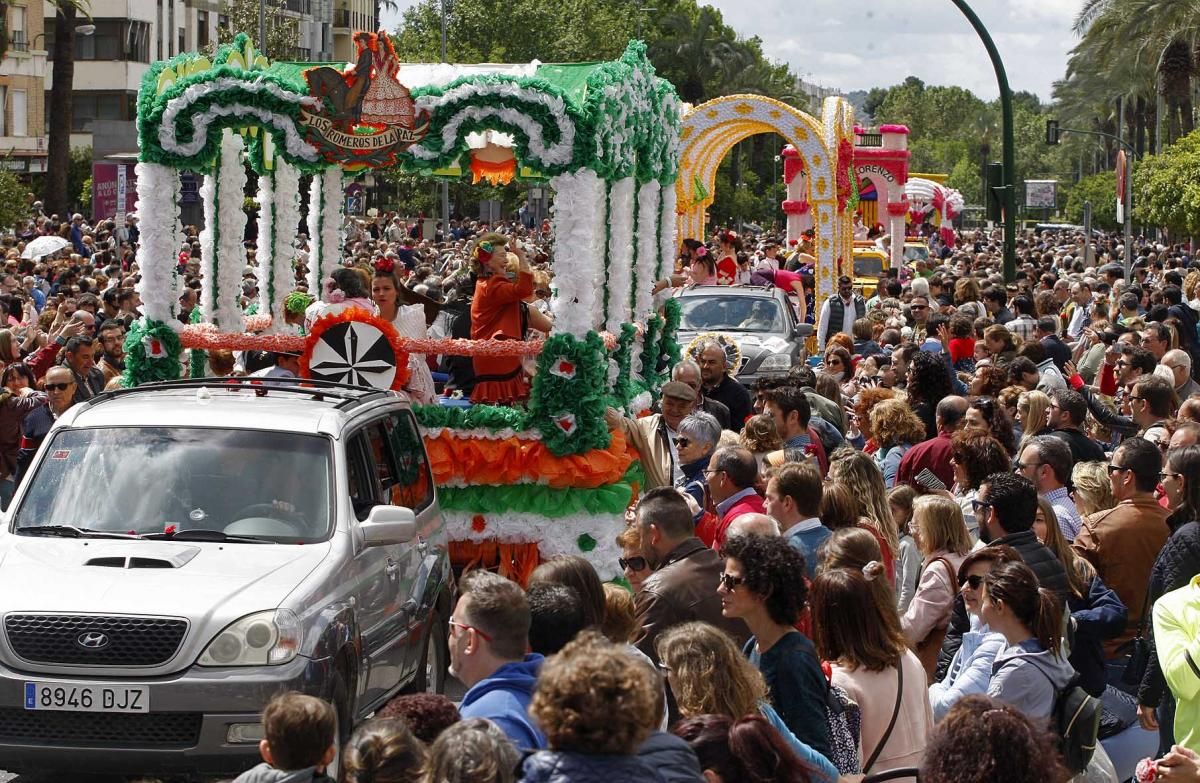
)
(995, 181)
(1053, 134)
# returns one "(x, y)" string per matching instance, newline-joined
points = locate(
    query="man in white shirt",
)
(844, 309)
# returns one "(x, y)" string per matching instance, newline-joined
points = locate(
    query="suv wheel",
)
(431, 672)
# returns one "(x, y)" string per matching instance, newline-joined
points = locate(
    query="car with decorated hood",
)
(180, 552)
(756, 325)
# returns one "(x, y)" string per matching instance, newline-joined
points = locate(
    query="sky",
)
(855, 46)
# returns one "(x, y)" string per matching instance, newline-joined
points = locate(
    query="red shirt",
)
(934, 454)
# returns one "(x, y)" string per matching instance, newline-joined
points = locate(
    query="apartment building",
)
(22, 102)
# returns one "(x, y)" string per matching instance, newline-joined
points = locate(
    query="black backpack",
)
(1075, 718)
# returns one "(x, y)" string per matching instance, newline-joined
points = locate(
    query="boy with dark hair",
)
(300, 740)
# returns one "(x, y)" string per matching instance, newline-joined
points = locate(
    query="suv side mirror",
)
(804, 330)
(389, 525)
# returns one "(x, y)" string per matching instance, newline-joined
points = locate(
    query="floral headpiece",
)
(331, 294)
(385, 265)
(484, 251)
(701, 251)
(297, 302)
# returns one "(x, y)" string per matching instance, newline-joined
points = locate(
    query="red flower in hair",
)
(385, 265)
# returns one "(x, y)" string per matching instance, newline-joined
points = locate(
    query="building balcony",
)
(341, 22)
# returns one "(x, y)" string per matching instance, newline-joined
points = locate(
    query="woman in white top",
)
(409, 321)
(857, 629)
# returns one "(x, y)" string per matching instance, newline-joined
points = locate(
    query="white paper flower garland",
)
(231, 221)
(158, 213)
(666, 233)
(315, 245)
(647, 250)
(620, 253)
(283, 255)
(558, 536)
(265, 247)
(208, 246)
(579, 247)
(332, 208)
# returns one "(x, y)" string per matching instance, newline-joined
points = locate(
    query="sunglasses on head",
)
(633, 564)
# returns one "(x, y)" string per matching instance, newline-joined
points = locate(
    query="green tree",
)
(1166, 188)
(58, 145)
(14, 199)
(79, 177)
(283, 31)
(1101, 190)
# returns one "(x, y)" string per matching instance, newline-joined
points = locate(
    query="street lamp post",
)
(1009, 159)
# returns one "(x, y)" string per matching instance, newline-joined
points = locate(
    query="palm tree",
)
(58, 151)
(693, 51)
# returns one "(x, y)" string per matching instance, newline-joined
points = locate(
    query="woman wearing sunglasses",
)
(764, 585)
(697, 440)
(971, 667)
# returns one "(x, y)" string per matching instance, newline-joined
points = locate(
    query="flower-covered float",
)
(516, 484)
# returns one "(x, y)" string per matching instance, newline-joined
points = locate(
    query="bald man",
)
(752, 524)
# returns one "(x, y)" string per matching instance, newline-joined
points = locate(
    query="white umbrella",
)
(44, 246)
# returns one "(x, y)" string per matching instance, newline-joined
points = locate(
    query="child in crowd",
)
(300, 741)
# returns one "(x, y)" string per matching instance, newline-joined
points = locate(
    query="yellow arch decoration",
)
(711, 129)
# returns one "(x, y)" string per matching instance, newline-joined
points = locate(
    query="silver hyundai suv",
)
(180, 552)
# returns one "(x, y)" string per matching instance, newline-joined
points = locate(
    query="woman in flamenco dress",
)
(497, 314)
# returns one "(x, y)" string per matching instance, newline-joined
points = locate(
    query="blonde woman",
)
(896, 429)
(941, 536)
(1093, 491)
(1031, 415)
(760, 437)
(859, 472)
(709, 676)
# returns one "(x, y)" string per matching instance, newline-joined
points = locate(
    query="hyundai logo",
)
(92, 640)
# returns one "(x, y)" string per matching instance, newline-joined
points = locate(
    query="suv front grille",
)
(140, 730)
(94, 640)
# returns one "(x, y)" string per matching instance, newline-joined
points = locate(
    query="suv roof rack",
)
(347, 395)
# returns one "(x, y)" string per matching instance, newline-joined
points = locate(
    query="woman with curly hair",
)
(579, 691)
(928, 382)
(764, 585)
(974, 456)
(747, 750)
(982, 740)
(989, 381)
(709, 676)
(760, 437)
(986, 414)
(866, 400)
(897, 429)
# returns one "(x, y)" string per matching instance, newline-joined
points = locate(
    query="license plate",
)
(86, 697)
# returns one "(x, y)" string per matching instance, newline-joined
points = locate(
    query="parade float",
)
(516, 484)
(934, 203)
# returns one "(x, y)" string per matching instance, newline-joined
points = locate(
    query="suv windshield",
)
(916, 253)
(731, 314)
(245, 483)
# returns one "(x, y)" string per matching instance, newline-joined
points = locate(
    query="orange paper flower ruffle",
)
(511, 460)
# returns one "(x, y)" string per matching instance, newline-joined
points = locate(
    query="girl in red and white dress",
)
(728, 247)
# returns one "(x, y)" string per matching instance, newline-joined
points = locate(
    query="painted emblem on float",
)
(366, 113)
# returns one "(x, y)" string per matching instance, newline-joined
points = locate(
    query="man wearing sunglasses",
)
(488, 639)
(60, 394)
(683, 586)
(1122, 542)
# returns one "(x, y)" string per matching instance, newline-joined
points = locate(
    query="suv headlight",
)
(261, 639)
(776, 362)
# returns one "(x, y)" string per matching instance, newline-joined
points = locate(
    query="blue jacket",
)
(970, 670)
(1098, 616)
(671, 757)
(504, 699)
(1028, 677)
(553, 766)
(693, 482)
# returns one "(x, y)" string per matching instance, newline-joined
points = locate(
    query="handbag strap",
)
(1141, 632)
(895, 714)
